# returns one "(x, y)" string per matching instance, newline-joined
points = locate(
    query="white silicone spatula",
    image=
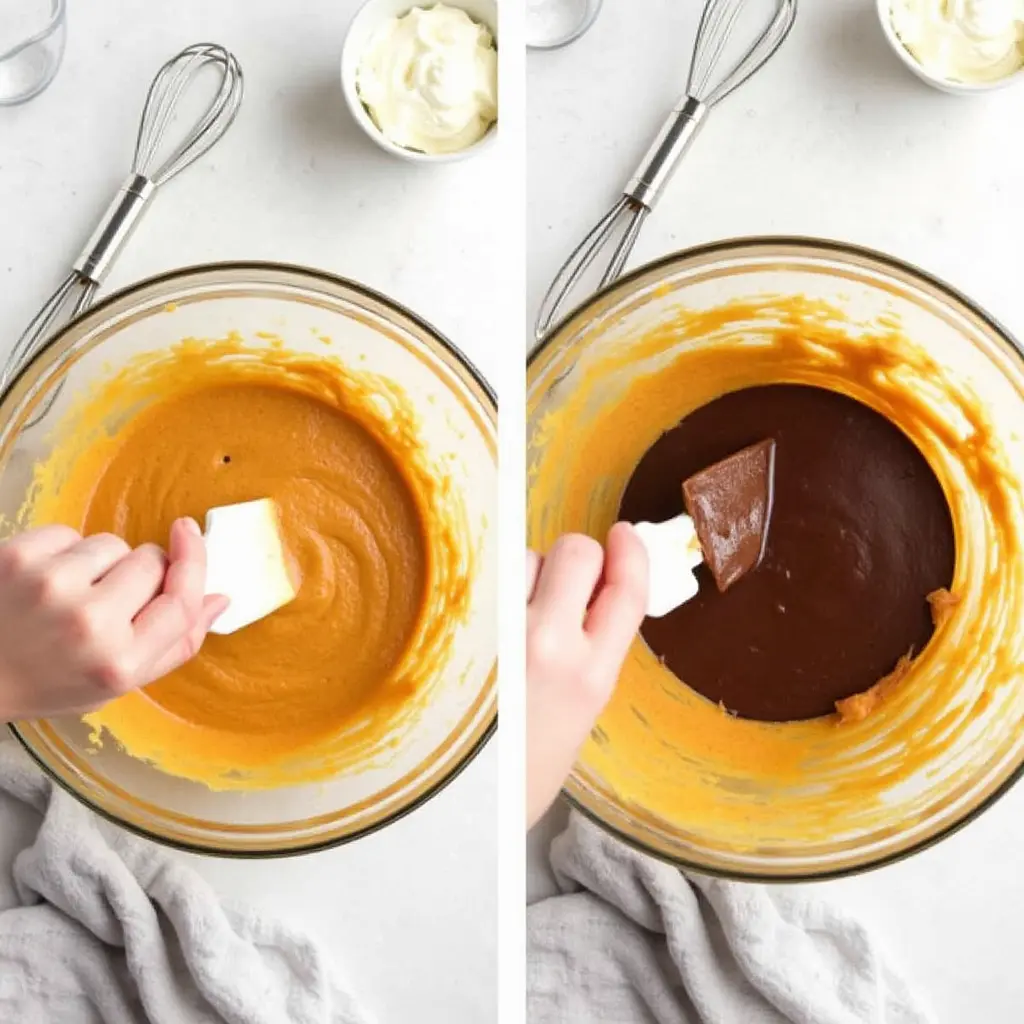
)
(246, 562)
(673, 551)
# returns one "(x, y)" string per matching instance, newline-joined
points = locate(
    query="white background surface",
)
(834, 138)
(409, 913)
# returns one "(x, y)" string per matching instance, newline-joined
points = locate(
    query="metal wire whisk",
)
(78, 289)
(644, 189)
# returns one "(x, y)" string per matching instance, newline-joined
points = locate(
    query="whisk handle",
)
(674, 139)
(116, 227)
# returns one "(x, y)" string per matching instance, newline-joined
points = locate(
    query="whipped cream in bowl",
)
(422, 80)
(959, 46)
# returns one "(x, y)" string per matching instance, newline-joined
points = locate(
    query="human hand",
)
(83, 621)
(584, 607)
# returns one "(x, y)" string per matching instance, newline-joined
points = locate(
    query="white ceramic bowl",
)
(363, 25)
(948, 85)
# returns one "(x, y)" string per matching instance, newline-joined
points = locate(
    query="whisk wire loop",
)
(78, 290)
(758, 53)
(162, 99)
(714, 30)
(705, 87)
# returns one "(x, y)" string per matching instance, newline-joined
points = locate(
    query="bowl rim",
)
(349, 69)
(469, 755)
(947, 85)
(811, 245)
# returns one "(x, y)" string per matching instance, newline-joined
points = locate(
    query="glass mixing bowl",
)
(677, 776)
(458, 426)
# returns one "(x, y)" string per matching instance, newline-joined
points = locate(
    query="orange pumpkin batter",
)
(319, 684)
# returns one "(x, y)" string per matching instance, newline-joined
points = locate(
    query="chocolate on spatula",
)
(730, 506)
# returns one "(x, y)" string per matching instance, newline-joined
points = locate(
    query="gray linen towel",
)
(98, 931)
(631, 940)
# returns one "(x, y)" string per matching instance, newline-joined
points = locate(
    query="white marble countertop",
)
(410, 912)
(836, 139)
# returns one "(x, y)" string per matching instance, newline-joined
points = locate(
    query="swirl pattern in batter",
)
(370, 527)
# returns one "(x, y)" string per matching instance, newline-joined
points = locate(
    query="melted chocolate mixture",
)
(860, 534)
